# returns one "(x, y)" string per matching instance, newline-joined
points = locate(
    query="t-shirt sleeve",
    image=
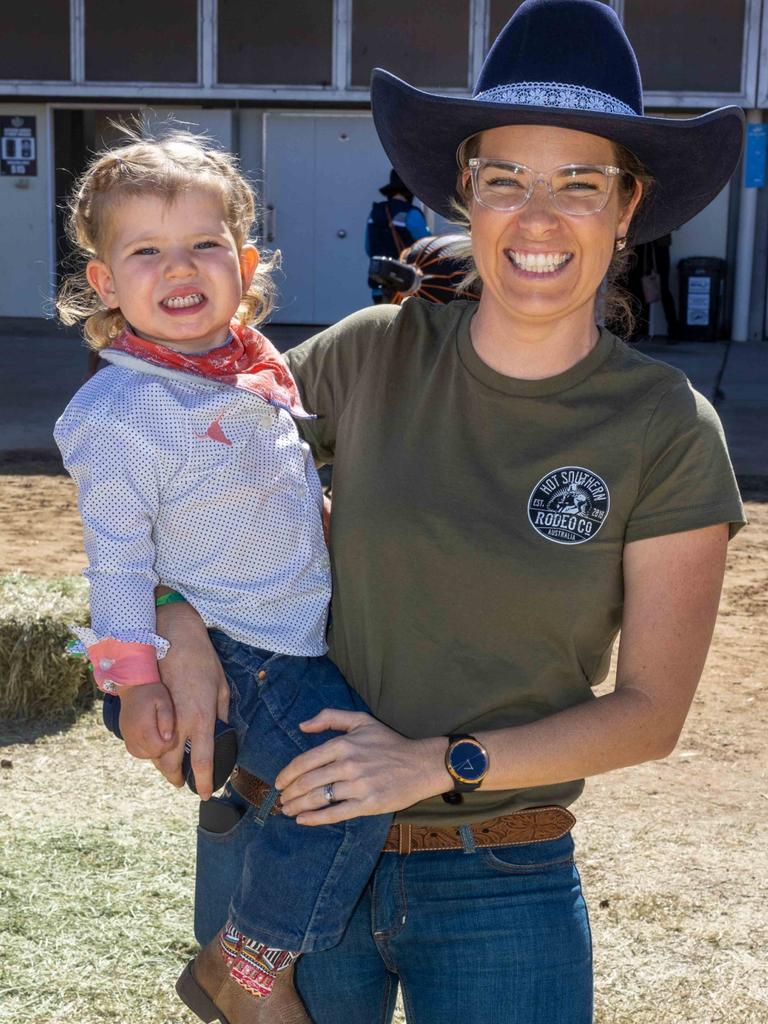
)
(327, 368)
(687, 480)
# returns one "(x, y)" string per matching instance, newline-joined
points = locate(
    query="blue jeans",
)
(495, 936)
(288, 885)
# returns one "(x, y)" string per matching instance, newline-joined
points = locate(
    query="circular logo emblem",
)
(569, 505)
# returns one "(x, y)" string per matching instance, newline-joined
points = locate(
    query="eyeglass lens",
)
(575, 189)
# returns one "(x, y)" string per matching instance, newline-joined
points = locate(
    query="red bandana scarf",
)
(247, 360)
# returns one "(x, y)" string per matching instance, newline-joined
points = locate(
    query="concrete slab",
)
(734, 377)
(42, 365)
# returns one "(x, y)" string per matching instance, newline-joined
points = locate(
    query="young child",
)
(191, 474)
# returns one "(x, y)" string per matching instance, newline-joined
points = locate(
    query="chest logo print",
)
(215, 432)
(569, 505)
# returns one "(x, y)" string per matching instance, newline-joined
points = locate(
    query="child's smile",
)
(173, 269)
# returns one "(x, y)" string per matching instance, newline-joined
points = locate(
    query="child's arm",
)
(118, 496)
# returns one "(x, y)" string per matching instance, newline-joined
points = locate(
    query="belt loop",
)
(467, 839)
(266, 805)
(404, 839)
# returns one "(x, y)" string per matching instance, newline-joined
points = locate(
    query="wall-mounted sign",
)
(754, 156)
(18, 146)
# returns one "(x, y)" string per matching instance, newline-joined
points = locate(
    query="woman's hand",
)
(194, 677)
(373, 770)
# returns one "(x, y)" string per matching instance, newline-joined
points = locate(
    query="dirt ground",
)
(672, 853)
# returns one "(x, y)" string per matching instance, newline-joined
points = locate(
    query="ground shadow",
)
(27, 730)
(31, 462)
(753, 488)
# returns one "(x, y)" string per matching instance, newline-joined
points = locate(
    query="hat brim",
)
(690, 159)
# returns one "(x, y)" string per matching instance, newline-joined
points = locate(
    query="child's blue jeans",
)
(290, 886)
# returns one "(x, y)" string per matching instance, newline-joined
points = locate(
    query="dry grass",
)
(96, 873)
(96, 877)
(37, 677)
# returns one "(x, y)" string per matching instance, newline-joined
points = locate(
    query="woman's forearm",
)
(613, 731)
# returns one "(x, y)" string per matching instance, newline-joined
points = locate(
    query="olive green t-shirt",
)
(479, 520)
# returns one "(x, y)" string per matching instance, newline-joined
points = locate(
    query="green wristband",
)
(169, 598)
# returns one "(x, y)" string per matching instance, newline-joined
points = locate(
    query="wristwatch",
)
(467, 762)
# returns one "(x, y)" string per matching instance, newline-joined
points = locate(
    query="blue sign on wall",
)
(755, 156)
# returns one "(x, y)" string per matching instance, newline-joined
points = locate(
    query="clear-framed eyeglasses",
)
(575, 189)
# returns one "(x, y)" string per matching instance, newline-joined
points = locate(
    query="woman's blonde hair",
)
(615, 302)
(166, 166)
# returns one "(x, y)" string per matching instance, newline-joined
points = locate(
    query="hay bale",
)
(38, 679)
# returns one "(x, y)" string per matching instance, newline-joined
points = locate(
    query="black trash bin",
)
(702, 285)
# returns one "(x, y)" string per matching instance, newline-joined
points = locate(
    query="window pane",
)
(501, 12)
(141, 41)
(426, 43)
(34, 41)
(687, 45)
(268, 43)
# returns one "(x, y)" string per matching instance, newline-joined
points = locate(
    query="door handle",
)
(269, 222)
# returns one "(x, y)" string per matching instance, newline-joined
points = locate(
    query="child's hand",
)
(147, 720)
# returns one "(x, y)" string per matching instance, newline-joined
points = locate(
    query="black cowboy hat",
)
(568, 64)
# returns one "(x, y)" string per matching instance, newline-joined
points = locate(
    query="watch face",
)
(468, 761)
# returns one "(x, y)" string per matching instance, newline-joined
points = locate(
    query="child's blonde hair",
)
(166, 167)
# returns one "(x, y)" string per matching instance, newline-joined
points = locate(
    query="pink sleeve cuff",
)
(117, 663)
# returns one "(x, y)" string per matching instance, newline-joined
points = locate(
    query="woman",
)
(512, 486)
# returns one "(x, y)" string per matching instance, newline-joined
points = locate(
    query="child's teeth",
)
(179, 302)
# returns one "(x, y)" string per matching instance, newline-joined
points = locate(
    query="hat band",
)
(556, 94)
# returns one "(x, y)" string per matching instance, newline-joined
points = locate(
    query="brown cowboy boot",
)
(208, 990)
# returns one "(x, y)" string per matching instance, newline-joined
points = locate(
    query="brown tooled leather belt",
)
(533, 825)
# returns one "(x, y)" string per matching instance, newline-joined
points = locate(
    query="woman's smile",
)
(538, 264)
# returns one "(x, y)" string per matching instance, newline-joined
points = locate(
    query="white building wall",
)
(26, 216)
(215, 123)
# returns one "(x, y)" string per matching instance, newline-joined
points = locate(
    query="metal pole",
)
(745, 249)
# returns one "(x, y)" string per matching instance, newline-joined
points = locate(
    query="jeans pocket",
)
(530, 858)
(241, 665)
(221, 850)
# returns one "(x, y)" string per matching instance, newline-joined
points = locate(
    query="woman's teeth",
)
(538, 262)
(180, 302)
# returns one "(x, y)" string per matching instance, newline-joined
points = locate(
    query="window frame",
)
(362, 91)
(750, 52)
(753, 91)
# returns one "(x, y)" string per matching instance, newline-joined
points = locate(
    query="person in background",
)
(392, 226)
(652, 257)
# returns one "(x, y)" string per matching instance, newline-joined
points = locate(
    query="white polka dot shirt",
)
(202, 487)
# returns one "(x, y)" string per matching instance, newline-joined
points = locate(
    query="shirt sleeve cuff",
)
(118, 662)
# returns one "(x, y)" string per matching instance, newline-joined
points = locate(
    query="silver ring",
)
(328, 793)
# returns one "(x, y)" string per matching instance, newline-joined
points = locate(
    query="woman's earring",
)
(621, 244)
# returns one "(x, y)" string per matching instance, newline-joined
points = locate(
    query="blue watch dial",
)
(468, 761)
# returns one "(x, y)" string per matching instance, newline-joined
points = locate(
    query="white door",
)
(321, 174)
